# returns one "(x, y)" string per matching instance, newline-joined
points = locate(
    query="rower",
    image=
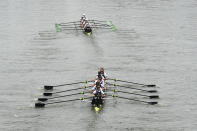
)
(98, 80)
(102, 82)
(94, 85)
(85, 22)
(103, 74)
(83, 16)
(98, 94)
(98, 91)
(82, 20)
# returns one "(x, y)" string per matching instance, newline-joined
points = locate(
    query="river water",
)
(155, 44)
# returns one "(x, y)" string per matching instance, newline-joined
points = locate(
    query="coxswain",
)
(87, 28)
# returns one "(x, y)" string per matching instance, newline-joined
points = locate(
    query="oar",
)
(73, 22)
(151, 97)
(103, 28)
(51, 93)
(105, 25)
(67, 27)
(150, 91)
(41, 104)
(62, 25)
(45, 99)
(97, 20)
(113, 27)
(73, 28)
(132, 82)
(70, 29)
(59, 27)
(151, 103)
(47, 87)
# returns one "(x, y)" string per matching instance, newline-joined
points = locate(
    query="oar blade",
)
(39, 105)
(152, 91)
(151, 85)
(47, 94)
(154, 97)
(48, 87)
(57, 26)
(153, 103)
(113, 27)
(42, 99)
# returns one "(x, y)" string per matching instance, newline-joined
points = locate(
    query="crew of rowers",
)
(85, 24)
(99, 85)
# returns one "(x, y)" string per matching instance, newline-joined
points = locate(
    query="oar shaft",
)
(126, 81)
(67, 90)
(150, 91)
(151, 103)
(61, 101)
(101, 25)
(98, 20)
(51, 87)
(71, 29)
(132, 99)
(67, 100)
(151, 97)
(66, 95)
(69, 22)
(132, 82)
(132, 93)
(129, 87)
(50, 93)
(68, 84)
(62, 25)
(133, 88)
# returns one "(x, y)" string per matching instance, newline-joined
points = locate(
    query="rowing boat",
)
(85, 25)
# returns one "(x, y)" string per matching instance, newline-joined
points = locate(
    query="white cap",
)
(84, 14)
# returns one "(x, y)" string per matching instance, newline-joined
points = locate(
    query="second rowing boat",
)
(85, 25)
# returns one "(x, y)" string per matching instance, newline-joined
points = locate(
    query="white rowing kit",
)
(100, 91)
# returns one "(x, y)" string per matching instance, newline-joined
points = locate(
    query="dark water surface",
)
(158, 45)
